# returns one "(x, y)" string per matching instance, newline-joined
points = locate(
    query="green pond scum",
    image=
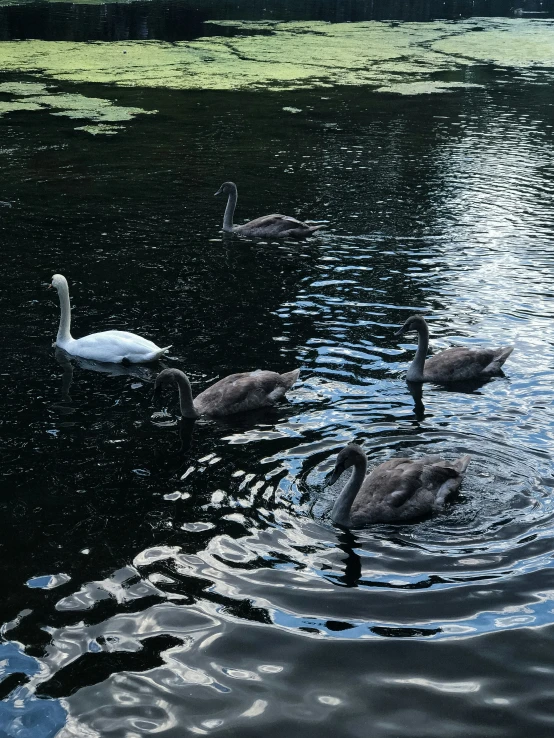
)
(408, 58)
(34, 96)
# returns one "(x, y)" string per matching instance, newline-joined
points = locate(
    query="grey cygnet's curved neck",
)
(185, 396)
(340, 513)
(230, 211)
(416, 370)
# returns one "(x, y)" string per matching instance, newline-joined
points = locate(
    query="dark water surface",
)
(162, 581)
(176, 20)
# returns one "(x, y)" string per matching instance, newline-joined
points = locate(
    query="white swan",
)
(114, 347)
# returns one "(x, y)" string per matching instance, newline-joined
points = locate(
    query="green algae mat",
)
(404, 59)
(293, 55)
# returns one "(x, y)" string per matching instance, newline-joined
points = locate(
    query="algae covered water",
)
(159, 578)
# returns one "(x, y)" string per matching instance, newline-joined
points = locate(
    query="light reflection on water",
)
(203, 588)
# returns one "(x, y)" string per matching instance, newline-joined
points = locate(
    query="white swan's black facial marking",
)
(58, 281)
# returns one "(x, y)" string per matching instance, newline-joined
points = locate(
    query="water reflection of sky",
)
(21, 713)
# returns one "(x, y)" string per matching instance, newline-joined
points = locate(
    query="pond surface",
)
(168, 580)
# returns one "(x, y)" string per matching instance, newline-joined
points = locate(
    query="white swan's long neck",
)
(340, 514)
(185, 396)
(416, 370)
(64, 330)
(230, 211)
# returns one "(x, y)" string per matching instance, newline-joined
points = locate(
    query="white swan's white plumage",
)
(113, 347)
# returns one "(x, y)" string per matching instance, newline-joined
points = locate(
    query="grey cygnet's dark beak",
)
(334, 476)
(405, 328)
(219, 192)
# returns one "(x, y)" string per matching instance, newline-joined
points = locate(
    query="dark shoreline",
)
(181, 20)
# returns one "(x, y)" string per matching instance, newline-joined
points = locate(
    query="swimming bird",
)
(453, 365)
(268, 226)
(394, 492)
(520, 12)
(233, 394)
(108, 346)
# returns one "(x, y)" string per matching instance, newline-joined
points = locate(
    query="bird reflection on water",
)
(352, 563)
(66, 361)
